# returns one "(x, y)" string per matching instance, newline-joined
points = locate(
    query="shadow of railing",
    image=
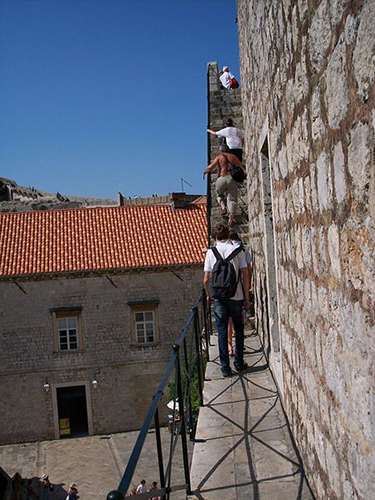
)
(190, 353)
(249, 431)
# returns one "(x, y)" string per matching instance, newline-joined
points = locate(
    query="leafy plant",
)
(192, 362)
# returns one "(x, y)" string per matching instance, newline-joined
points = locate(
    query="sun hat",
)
(44, 477)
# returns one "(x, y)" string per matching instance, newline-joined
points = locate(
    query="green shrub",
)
(194, 384)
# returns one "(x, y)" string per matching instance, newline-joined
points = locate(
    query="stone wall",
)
(128, 374)
(307, 70)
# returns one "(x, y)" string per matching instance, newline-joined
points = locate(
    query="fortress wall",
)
(307, 71)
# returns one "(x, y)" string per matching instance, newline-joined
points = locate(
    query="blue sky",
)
(101, 96)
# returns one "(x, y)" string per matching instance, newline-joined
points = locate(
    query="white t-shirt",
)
(141, 489)
(225, 248)
(233, 136)
(246, 251)
(225, 79)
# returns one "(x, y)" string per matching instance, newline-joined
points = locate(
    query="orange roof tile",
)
(89, 239)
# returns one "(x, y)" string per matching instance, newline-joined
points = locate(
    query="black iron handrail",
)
(200, 311)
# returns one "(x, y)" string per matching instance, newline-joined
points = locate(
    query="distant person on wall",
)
(30, 490)
(227, 79)
(73, 492)
(154, 487)
(226, 186)
(229, 304)
(17, 483)
(142, 487)
(233, 137)
(45, 487)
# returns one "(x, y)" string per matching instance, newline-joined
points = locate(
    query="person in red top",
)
(154, 487)
(30, 490)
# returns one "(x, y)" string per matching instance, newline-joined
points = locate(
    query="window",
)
(144, 327)
(145, 323)
(67, 329)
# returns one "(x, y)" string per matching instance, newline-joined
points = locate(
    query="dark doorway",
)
(71, 404)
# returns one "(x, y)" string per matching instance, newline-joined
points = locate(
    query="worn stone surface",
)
(243, 449)
(363, 55)
(339, 173)
(309, 112)
(337, 93)
(360, 159)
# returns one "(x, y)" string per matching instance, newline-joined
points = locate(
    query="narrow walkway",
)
(243, 448)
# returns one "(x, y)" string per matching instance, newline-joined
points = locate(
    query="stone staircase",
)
(224, 104)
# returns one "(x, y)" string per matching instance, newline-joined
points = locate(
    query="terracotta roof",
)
(37, 243)
(202, 200)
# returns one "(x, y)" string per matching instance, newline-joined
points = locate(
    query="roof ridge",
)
(190, 206)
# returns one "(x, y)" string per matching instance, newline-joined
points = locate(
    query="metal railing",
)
(190, 352)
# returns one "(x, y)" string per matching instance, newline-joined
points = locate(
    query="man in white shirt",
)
(232, 307)
(233, 137)
(225, 78)
(142, 487)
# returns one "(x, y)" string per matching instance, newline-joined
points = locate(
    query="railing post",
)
(199, 353)
(188, 382)
(176, 348)
(210, 318)
(160, 450)
(205, 316)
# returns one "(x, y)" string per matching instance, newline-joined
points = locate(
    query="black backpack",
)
(235, 171)
(223, 281)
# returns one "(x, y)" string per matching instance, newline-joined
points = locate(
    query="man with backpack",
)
(226, 282)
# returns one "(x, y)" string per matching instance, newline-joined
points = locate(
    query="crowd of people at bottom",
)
(142, 488)
(45, 488)
(43, 491)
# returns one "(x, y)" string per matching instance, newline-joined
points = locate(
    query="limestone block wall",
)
(307, 73)
(128, 374)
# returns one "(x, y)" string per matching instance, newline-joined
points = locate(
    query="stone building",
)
(307, 76)
(91, 301)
